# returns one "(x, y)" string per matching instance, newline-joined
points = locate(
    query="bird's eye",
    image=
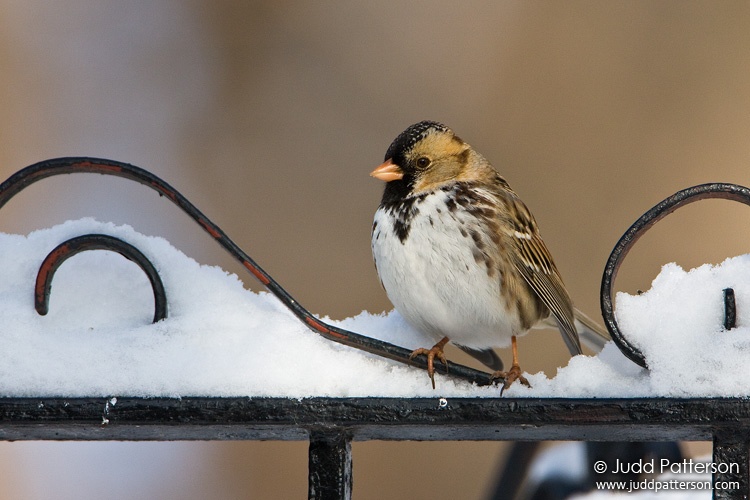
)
(423, 162)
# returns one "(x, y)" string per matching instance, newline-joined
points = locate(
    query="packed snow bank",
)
(223, 340)
(219, 339)
(678, 325)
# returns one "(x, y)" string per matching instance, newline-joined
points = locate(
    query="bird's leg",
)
(515, 370)
(435, 352)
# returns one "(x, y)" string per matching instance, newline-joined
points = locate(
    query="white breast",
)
(433, 280)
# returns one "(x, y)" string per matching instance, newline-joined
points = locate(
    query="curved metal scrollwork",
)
(48, 168)
(73, 246)
(644, 223)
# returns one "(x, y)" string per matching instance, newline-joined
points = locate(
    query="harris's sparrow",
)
(459, 254)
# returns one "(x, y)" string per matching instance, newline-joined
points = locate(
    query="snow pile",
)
(223, 340)
(218, 340)
(678, 325)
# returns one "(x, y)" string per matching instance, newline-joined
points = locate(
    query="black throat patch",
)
(403, 213)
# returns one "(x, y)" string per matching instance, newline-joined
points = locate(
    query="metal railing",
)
(330, 425)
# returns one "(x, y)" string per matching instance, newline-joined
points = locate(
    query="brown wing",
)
(534, 262)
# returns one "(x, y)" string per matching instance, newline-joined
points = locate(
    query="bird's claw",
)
(435, 352)
(510, 376)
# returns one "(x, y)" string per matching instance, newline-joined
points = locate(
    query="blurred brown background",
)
(269, 116)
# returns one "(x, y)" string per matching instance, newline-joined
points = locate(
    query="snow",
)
(221, 339)
(678, 325)
(218, 340)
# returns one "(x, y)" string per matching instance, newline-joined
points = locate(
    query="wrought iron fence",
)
(331, 424)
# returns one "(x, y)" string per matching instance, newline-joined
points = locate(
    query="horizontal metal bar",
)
(649, 419)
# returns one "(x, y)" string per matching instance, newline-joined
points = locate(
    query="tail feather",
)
(487, 357)
(592, 334)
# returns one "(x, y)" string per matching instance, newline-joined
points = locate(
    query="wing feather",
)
(534, 262)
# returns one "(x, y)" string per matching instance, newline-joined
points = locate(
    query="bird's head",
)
(423, 157)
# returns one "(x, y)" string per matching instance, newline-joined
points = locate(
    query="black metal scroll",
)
(681, 198)
(48, 168)
(73, 246)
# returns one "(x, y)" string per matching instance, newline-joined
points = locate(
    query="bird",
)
(460, 256)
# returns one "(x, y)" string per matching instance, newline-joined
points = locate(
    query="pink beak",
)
(388, 171)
